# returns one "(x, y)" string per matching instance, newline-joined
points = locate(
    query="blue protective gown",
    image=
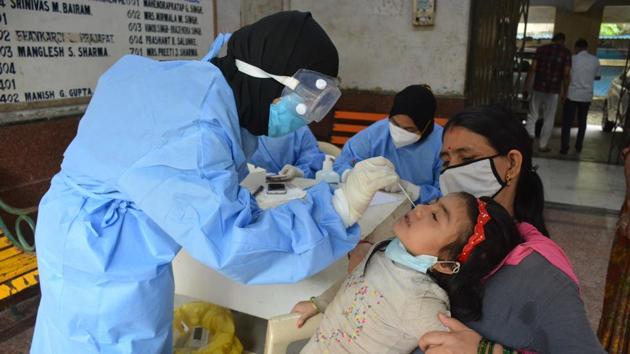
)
(417, 163)
(155, 166)
(299, 149)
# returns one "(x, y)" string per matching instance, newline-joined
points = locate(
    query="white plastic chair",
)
(282, 331)
(329, 149)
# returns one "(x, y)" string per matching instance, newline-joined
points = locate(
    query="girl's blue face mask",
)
(283, 118)
(397, 252)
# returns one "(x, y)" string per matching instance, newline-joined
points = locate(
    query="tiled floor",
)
(586, 236)
(586, 184)
(596, 145)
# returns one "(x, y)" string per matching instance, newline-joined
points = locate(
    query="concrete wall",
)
(228, 15)
(380, 50)
(580, 25)
(616, 14)
(541, 14)
(30, 154)
(253, 10)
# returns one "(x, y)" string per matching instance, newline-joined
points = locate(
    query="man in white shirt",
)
(584, 70)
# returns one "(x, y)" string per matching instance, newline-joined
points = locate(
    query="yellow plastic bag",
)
(198, 323)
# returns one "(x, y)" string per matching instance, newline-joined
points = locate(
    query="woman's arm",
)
(189, 188)
(358, 148)
(309, 158)
(563, 327)
(458, 340)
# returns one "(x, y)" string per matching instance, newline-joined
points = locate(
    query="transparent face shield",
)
(309, 93)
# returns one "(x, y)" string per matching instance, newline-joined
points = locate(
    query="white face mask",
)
(479, 178)
(401, 137)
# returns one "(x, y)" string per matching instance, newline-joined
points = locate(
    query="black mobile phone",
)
(276, 188)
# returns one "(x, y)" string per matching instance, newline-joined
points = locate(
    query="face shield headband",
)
(311, 94)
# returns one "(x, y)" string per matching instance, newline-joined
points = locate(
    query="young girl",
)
(441, 251)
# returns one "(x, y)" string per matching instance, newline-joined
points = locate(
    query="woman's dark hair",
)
(504, 133)
(281, 44)
(465, 288)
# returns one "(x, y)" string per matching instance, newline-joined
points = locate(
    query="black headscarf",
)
(279, 44)
(418, 102)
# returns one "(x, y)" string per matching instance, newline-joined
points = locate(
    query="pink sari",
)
(537, 242)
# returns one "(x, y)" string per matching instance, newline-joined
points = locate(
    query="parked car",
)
(613, 97)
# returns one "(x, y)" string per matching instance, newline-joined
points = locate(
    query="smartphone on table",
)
(276, 188)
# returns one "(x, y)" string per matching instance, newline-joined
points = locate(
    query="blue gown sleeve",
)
(356, 149)
(189, 187)
(309, 158)
(262, 158)
(429, 192)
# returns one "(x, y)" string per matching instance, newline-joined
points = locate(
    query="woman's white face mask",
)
(479, 178)
(402, 137)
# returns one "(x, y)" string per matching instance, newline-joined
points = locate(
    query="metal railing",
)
(493, 55)
(22, 214)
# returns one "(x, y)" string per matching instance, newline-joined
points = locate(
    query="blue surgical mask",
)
(283, 118)
(397, 252)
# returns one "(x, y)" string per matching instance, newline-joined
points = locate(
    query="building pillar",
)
(576, 25)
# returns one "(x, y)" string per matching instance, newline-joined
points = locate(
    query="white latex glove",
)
(291, 172)
(411, 189)
(363, 181)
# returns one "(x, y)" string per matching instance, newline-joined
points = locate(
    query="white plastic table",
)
(194, 280)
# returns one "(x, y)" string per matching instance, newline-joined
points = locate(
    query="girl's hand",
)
(306, 309)
(355, 257)
(460, 339)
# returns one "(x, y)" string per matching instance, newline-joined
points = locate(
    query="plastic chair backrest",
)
(282, 331)
(329, 149)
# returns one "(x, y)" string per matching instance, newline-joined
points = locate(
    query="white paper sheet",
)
(267, 201)
(385, 198)
(254, 179)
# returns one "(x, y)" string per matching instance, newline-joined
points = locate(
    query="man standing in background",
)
(550, 69)
(584, 70)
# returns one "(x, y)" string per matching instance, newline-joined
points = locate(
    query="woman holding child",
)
(531, 300)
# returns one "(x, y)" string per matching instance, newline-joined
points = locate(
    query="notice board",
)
(53, 52)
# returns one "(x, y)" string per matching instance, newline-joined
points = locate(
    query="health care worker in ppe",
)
(293, 155)
(156, 165)
(408, 138)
